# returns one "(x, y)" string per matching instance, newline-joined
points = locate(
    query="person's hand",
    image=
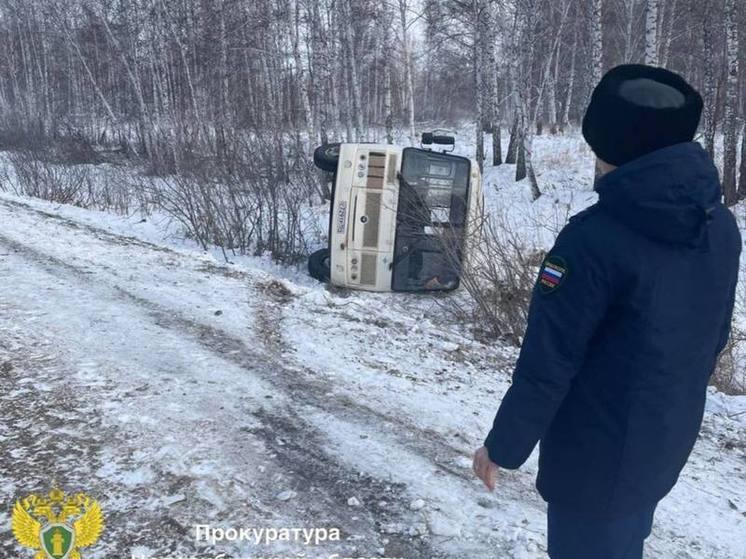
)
(484, 468)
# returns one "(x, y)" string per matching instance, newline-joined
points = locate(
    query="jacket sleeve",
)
(562, 319)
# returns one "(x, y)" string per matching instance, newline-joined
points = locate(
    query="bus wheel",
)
(326, 157)
(319, 265)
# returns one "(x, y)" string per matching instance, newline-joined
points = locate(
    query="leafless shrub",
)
(503, 255)
(110, 188)
(730, 371)
(246, 205)
(116, 189)
(246, 193)
(498, 279)
(67, 146)
(730, 376)
(41, 179)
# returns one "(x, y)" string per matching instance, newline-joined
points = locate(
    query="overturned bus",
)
(402, 219)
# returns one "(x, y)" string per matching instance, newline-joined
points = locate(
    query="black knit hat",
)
(637, 109)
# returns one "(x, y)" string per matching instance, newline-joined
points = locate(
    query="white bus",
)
(402, 219)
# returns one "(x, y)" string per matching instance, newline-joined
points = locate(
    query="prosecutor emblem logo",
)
(553, 272)
(57, 526)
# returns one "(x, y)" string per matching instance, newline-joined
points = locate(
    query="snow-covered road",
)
(182, 391)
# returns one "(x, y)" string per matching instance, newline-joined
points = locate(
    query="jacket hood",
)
(667, 195)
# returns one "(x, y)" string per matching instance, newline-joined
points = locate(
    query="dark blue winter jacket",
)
(630, 311)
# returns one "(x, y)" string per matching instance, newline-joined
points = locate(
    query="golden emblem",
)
(57, 525)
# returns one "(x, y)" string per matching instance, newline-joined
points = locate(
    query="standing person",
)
(630, 311)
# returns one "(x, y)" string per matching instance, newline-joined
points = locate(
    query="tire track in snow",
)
(53, 431)
(296, 445)
(303, 383)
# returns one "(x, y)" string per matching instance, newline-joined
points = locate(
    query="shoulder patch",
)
(553, 272)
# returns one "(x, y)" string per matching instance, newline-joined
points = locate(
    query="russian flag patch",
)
(553, 272)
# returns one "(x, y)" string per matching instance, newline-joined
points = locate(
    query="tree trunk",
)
(709, 95)
(528, 157)
(742, 170)
(598, 47)
(565, 122)
(497, 152)
(651, 32)
(303, 87)
(321, 68)
(552, 96)
(354, 84)
(630, 31)
(512, 153)
(520, 146)
(481, 53)
(730, 134)
(480, 121)
(597, 44)
(668, 37)
(408, 72)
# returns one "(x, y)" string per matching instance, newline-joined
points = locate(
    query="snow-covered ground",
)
(182, 391)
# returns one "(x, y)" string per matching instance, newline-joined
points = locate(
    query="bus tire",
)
(326, 157)
(319, 265)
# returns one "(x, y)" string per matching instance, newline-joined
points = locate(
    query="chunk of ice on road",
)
(286, 495)
(417, 504)
(441, 525)
(173, 499)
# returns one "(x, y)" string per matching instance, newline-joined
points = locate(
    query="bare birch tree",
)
(408, 70)
(651, 32)
(730, 133)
